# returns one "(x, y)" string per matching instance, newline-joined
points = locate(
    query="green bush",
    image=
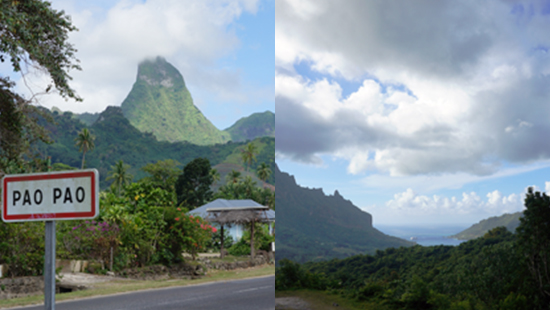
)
(22, 248)
(290, 275)
(262, 241)
(240, 248)
(215, 242)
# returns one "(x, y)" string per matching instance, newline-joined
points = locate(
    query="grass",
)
(123, 286)
(320, 300)
(230, 259)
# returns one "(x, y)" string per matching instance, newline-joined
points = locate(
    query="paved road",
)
(252, 294)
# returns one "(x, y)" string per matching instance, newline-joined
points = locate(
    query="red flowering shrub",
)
(187, 233)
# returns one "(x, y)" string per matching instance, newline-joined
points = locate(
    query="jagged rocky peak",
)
(158, 72)
(159, 103)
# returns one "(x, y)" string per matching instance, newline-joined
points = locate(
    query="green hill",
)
(161, 104)
(116, 139)
(87, 118)
(253, 126)
(510, 221)
(312, 226)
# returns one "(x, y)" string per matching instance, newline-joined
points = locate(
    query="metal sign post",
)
(49, 267)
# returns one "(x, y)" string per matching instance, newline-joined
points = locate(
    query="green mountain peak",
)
(161, 104)
(159, 72)
(253, 126)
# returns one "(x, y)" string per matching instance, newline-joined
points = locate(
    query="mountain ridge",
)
(313, 226)
(116, 139)
(510, 221)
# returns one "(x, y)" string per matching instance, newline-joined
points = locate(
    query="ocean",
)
(424, 235)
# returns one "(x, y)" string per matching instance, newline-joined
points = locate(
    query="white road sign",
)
(50, 196)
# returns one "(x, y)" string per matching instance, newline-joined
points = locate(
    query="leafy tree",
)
(248, 154)
(193, 185)
(85, 142)
(247, 189)
(140, 213)
(263, 171)
(233, 177)
(417, 295)
(33, 35)
(164, 173)
(120, 176)
(533, 239)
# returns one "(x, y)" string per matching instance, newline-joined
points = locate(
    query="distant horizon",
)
(433, 221)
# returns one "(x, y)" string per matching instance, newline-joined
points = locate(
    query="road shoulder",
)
(121, 285)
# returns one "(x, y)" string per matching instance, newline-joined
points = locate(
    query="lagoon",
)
(426, 235)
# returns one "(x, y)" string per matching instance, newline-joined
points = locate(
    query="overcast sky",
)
(223, 48)
(416, 111)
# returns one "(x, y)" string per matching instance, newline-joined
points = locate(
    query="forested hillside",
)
(255, 125)
(312, 226)
(510, 221)
(116, 139)
(501, 270)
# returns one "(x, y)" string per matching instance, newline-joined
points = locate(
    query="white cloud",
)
(473, 85)
(113, 39)
(410, 203)
(433, 183)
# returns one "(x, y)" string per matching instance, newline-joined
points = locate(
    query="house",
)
(236, 230)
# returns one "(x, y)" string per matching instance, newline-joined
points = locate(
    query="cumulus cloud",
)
(471, 85)
(409, 202)
(114, 37)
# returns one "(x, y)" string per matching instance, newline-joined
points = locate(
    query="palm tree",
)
(248, 185)
(263, 172)
(248, 154)
(233, 177)
(119, 175)
(215, 175)
(85, 142)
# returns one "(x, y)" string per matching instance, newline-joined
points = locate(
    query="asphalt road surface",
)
(248, 294)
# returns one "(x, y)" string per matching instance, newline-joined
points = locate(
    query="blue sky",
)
(432, 112)
(223, 48)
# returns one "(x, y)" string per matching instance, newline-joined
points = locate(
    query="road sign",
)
(50, 196)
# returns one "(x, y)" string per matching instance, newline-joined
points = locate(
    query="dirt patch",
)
(291, 303)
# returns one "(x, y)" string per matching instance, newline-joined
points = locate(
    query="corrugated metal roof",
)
(229, 204)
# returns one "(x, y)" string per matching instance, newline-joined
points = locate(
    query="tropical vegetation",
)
(500, 270)
(85, 142)
(141, 223)
(34, 35)
(116, 139)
